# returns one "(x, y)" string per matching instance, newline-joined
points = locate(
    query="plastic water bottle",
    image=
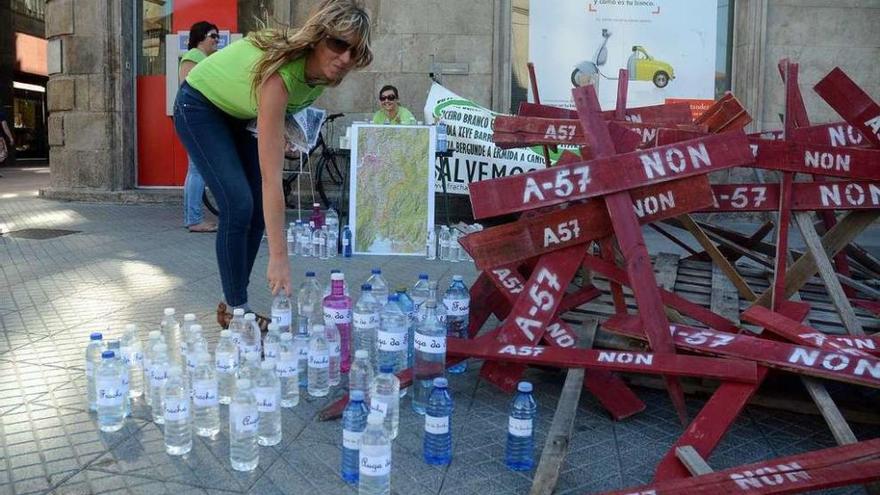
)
(244, 423)
(154, 338)
(333, 350)
(430, 357)
(189, 319)
(442, 144)
(420, 291)
(380, 287)
(346, 242)
(124, 373)
(454, 246)
(319, 362)
(133, 356)
(308, 300)
(337, 315)
(305, 239)
(301, 347)
(287, 370)
(196, 346)
(291, 239)
(375, 459)
(329, 287)
(205, 397)
(93, 360)
(170, 328)
(407, 307)
(444, 239)
(267, 390)
(431, 245)
(457, 301)
(251, 335)
(158, 377)
(319, 243)
(438, 424)
(272, 343)
(178, 429)
(331, 219)
(360, 378)
(365, 321)
(354, 421)
(237, 326)
(297, 237)
(519, 455)
(385, 399)
(282, 312)
(226, 365)
(391, 337)
(440, 311)
(249, 366)
(317, 215)
(109, 393)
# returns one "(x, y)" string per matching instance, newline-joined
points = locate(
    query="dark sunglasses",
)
(337, 45)
(214, 35)
(387, 97)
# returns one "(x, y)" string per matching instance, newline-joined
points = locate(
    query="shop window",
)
(154, 22)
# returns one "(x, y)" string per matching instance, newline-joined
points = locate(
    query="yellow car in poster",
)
(643, 67)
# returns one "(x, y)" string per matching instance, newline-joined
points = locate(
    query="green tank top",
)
(225, 78)
(194, 55)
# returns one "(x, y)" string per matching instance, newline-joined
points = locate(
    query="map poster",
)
(391, 194)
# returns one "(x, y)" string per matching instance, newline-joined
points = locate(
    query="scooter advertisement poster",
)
(668, 46)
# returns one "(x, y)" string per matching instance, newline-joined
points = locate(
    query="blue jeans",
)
(225, 153)
(193, 190)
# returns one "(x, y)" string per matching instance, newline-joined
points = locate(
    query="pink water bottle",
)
(317, 215)
(337, 311)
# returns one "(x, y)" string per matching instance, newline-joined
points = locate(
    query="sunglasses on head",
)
(338, 45)
(214, 35)
(387, 97)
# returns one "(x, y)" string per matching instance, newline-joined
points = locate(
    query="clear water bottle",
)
(154, 338)
(431, 245)
(457, 301)
(178, 428)
(430, 357)
(282, 312)
(391, 337)
(365, 323)
(346, 242)
(319, 362)
(272, 343)
(375, 458)
(93, 360)
(442, 144)
(170, 328)
(124, 376)
(438, 424)
(226, 365)
(249, 366)
(519, 454)
(237, 326)
(244, 423)
(267, 390)
(408, 307)
(109, 393)
(332, 241)
(133, 356)
(338, 314)
(308, 300)
(385, 399)
(444, 239)
(354, 421)
(454, 246)
(331, 219)
(287, 370)
(298, 228)
(305, 239)
(205, 397)
(380, 287)
(360, 378)
(251, 336)
(319, 243)
(440, 311)
(420, 291)
(189, 319)
(291, 239)
(158, 377)
(194, 349)
(333, 349)
(301, 347)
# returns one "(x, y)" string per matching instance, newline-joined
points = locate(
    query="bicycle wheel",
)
(209, 201)
(319, 182)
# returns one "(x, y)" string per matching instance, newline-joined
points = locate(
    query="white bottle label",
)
(457, 307)
(267, 400)
(270, 351)
(158, 376)
(391, 341)
(244, 418)
(109, 392)
(281, 317)
(519, 427)
(176, 409)
(319, 360)
(429, 344)
(351, 439)
(335, 349)
(375, 461)
(303, 352)
(205, 393)
(286, 367)
(436, 425)
(366, 321)
(376, 404)
(337, 316)
(344, 241)
(225, 362)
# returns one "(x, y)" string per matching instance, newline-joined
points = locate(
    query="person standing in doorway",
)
(203, 39)
(265, 76)
(390, 110)
(8, 141)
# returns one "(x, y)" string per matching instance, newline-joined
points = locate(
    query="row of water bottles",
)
(318, 237)
(444, 244)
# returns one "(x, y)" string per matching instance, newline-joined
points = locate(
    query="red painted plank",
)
(833, 365)
(831, 134)
(608, 174)
(872, 306)
(669, 113)
(608, 360)
(806, 196)
(817, 159)
(852, 103)
(727, 113)
(837, 466)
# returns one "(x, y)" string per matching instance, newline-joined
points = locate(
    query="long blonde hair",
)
(339, 18)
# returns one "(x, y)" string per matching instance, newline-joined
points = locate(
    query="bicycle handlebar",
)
(333, 117)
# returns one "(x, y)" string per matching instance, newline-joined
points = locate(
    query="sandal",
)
(223, 316)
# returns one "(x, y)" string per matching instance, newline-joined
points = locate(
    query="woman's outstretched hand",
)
(278, 274)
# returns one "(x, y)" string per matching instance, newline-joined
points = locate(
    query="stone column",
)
(90, 98)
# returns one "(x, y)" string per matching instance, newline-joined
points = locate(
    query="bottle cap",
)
(250, 316)
(316, 205)
(361, 354)
(386, 368)
(337, 276)
(367, 287)
(423, 276)
(376, 271)
(457, 278)
(169, 311)
(375, 418)
(393, 297)
(243, 383)
(310, 274)
(225, 334)
(267, 365)
(335, 270)
(108, 355)
(238, 312)
(524, 387)
(441, 382)
(99, 336)
(285, 336)
(189, 317)
(195, 328)
(356, 395)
